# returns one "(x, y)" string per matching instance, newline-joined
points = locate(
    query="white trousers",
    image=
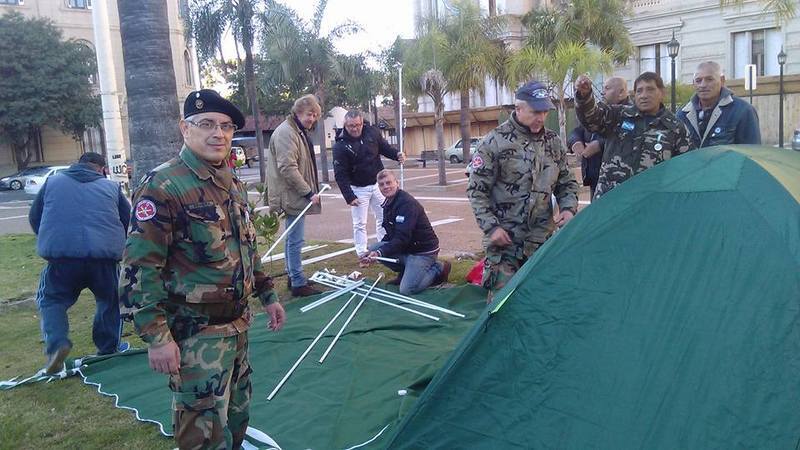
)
(369, 197)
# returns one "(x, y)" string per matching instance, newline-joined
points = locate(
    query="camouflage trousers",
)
(211, 394)
(502, 263)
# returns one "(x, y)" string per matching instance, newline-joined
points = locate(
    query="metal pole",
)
(109, 95)
(331, 296)
(673, 85)
(400, 118)
(387, 303)
(349, 318)
(780, 113)
(308, 349)
(750, 68)
(324, 188)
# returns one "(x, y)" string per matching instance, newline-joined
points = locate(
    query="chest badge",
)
(628, 126)
(658, 147)
(400, 219)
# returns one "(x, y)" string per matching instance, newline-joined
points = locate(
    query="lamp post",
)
(781, 62)
(672, 47)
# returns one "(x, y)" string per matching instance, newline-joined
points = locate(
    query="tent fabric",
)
(351, 399)
(665, 315)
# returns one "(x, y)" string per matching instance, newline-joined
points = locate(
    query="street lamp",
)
(672, 47)
(781, 62)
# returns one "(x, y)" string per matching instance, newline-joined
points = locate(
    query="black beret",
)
(209, 100)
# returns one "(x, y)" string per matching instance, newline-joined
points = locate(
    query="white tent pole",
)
(349, 318)
(308, 349)
(285, 232)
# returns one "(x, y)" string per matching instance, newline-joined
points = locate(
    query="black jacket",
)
(356, 161)
(590, 167)
(408, 230)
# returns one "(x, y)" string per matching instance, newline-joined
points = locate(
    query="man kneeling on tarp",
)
(409, 240)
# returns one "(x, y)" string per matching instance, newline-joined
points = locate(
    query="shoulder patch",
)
(145, 210)
(477, 162)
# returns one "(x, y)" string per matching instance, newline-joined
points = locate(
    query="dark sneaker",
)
(304, 291)
(55, 361)
(445, 275)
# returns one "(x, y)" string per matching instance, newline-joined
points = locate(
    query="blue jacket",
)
(732, 121)
(79, 214)
(408, 230)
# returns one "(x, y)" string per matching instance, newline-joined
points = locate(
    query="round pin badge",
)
(145, 210)
(199, 104)
(658, 147)
(717, 130)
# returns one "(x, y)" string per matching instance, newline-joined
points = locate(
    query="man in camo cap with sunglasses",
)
(189, 268)
(515, 170)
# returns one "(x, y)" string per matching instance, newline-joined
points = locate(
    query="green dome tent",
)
(665, 316)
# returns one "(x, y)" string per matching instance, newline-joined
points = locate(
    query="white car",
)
(35, 183)
(455, 153)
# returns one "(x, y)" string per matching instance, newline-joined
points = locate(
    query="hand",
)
(277, 316)
(368, 259)
(315, 199)
(165, 358)
(578, 148)
(564, 217)
(583, 85)
(401, 157)
(354, 202)
(500, 238)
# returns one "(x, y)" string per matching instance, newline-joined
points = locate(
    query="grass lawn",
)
(67, 413)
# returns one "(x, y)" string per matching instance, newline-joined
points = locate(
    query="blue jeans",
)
(417, 272)
(59, 287)
(295, 242)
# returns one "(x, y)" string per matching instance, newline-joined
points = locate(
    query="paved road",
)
(448, 210)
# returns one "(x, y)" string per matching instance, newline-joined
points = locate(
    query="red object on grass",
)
(475, 274)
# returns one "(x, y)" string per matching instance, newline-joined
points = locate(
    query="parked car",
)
(17, 181)
(35, 182)
(250, 148)
(796, 140)
(455, 153)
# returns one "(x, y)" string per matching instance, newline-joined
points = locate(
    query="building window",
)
(12, 2)
(759, 47)
(655, 58)
(183, 8)
(79, 4)
(187, 66)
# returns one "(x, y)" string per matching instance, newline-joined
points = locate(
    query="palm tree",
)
(206, 23)
(423, 76)
(152, 96)
(783, 10)
(561, 67)
(303, 50)
(472, 52)
(575, 37)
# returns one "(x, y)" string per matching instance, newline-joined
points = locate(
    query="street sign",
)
(750, 77)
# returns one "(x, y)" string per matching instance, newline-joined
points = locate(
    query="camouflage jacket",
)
(514, 171)
(632, 145)
(190, 259)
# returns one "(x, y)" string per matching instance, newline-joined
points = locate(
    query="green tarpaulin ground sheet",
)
(666, 315)
(348, 400)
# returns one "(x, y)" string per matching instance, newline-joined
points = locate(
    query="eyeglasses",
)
(210, 125)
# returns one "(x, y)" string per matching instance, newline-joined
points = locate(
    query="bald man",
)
(588, 145)
(714, 116)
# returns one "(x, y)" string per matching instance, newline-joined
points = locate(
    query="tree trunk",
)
(466, 124)
(152, 95)
(245, 17)
(562, 118)
(323, 152)
(439, 121)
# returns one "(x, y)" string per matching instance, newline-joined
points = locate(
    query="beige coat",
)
(291, 173)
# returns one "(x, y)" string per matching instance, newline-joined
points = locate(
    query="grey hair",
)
(714, 66)
(385, 173)
(353, 114)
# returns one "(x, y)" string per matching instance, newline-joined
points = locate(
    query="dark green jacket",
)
(190, 259)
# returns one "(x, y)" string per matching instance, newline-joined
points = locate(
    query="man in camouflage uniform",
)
(515, 170)
(189, 267)
(638, 136)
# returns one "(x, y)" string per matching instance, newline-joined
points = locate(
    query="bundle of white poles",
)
(344, 286)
